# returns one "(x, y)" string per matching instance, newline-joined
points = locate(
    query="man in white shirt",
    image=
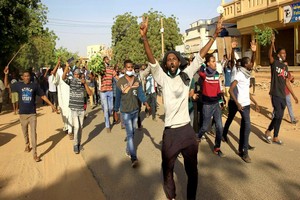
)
(179, 136)
(242, 100)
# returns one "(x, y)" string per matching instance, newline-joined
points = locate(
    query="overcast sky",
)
(79, 23)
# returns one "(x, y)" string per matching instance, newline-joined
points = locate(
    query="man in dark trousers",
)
(178, 136)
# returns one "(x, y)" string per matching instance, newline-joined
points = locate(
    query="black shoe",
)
(219, 153)
(246, 158)
(225, 138)
(134, 163)
(76, 149)
(251, 148)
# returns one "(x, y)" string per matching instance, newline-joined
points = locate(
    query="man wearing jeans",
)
(211, 96)
(242, 97)
(279, 80)
(128, 92)
(106, 92)
(27, 92)
(78, 86)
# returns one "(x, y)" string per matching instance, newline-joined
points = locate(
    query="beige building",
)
(272, 13)
(101, 50)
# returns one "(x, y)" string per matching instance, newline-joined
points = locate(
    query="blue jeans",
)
(130, 121)
(289, 107)
(209, 111)
(244, 130)
(107, 106)
(151, 100)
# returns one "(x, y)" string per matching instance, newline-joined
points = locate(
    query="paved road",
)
(274, 173)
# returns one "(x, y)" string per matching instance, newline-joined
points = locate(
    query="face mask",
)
(129, 73)
(178, 71)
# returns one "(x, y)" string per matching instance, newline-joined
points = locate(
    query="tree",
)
(126, 38)
(15, 19)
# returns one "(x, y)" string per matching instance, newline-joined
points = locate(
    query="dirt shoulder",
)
(60, 175)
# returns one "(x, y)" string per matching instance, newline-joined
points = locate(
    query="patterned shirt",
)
(77, 90)
(107, 78)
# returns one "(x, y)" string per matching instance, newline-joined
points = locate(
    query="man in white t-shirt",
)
(242, 97)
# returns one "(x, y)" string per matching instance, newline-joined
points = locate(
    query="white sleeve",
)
(158, 74)
(194, 66)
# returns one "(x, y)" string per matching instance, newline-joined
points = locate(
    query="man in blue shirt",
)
(27, 92)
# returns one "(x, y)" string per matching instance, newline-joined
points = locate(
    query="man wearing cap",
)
(178, 136)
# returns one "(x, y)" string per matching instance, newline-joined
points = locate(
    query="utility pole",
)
(162, 37)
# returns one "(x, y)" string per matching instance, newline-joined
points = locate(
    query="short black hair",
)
(208, 57)
(279, 49)
(244, 61)
(127, 61)
(105, 57)
(26, 71)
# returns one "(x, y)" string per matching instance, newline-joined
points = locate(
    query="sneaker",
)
(219, 153)
(134, 163)
(246, 158)
(267, 137)
(76, 149)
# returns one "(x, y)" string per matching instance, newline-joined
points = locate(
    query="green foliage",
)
(64, 55)
(97, 65)
(39, 50)
(126, 42)
(15, 18)
(264, 36)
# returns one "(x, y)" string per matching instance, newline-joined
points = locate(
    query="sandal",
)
(279, 142)
(268, 139)
(36, 158)
(71, 136)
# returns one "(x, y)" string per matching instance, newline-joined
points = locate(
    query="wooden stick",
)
(15, 54)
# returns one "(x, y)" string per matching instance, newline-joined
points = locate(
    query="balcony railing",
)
(237, 8)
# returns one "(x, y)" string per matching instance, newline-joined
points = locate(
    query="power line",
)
(67, 20)
(77, 25)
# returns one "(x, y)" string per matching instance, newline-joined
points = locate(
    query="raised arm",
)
(45, 75)
(232, 57)
(56, 67)
(6, 71)
(143, 32)
(206, 48)
(271, 58)
(253, 49)
(64, 76)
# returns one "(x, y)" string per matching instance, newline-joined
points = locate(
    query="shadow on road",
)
(96, 131)
(5, 138)
(54, 140)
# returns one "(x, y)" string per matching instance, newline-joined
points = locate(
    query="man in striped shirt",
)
(106, 91)
(78, 86)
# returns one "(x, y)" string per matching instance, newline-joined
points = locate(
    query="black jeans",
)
(232, 110)
(279, 105)
(180, 140)
(244, 130)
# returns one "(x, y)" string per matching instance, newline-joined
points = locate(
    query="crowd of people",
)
(193, 98)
